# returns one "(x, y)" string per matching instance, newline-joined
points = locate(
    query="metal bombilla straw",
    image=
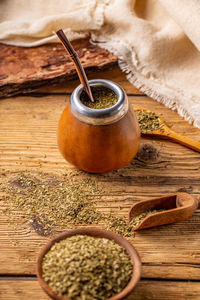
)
(75, 59)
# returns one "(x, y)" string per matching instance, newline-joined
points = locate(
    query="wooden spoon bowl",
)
(165, 132)
(95, 232)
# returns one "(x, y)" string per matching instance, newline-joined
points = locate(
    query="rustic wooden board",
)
(170, 254)
(162, 255)
(23, 70)
(172, 290)
(28, 140)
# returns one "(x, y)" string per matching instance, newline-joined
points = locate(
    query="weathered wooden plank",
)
(146, 289)
(170, 251)
(28, 141)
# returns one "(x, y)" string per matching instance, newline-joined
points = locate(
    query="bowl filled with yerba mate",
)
(88, 263)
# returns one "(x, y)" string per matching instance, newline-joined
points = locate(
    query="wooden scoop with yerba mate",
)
(153, 125)
(171, 208)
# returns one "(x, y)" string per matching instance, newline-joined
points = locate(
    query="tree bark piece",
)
(24, 70)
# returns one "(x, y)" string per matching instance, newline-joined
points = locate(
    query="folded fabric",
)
(157, 42)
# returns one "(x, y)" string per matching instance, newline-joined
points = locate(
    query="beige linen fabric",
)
(157, 41)
(34, 22)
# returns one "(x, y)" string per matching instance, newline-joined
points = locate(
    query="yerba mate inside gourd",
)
(103, 98)
(86, 267)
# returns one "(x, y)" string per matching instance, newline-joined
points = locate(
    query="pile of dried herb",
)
(119, 225)
(48, 202)
(84, 267)
(51, 203)
(103, 98)
(137, 220)
(148, 121)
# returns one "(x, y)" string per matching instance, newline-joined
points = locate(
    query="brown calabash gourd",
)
(99, 140)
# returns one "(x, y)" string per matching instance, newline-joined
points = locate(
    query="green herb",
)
(84, 267)
(137, 220)
(47, 202)
(119, 225)
(103, 98)
(148, 121)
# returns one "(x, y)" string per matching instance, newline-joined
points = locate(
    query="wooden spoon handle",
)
(183, 140)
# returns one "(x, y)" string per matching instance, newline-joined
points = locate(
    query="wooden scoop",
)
(166, 133)
(177, 207)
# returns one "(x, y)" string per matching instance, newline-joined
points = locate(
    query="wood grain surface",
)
(145, 290)
(170, 254)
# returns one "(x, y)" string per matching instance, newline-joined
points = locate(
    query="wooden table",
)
(170, 254)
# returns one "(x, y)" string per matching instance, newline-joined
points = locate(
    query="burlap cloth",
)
(157, 41)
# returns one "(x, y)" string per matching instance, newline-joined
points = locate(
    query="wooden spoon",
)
(95, 232)
(177, 207)
(166, 133)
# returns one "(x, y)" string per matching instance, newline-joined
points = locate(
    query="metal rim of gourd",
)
(99, 116)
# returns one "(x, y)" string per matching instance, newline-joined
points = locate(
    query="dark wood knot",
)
(147, 152)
